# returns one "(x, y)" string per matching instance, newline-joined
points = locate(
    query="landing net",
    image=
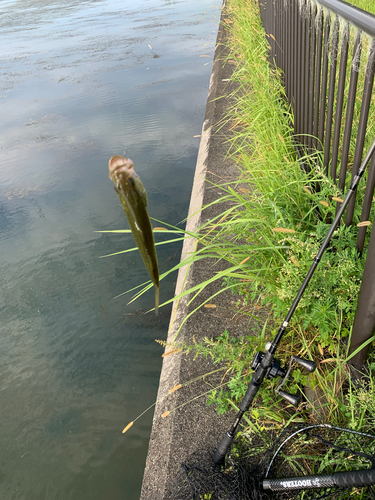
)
(297, 451)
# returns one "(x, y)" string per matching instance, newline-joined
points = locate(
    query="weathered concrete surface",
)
(196, 427)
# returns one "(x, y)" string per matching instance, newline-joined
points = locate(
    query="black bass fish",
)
(133, 199)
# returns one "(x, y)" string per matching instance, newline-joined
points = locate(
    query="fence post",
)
(364, 320)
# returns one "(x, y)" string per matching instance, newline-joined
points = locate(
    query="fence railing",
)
(326, 51)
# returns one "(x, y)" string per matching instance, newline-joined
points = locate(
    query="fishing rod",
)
(265, 364)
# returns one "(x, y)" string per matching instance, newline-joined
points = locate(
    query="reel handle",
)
(291, 398)
(310, 366)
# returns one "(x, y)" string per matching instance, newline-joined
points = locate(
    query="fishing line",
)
(176, 388)
(119, 106)
(165, 414)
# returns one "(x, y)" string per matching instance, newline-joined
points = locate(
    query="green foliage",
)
(283, 214)
(237, 354)
(333, 289)
(361, 406)
(278, 218)
(364, 5)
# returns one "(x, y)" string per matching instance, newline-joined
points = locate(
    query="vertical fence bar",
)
(340, 100)
(364, 320)
(288, 26)
(294, 61)
(279, 37)
(350, 109)
(323, 92)
(301, 66)
(307, 70)
(279, 22)
(302, 16)
(261, 12)
(319, 45)
(331, 93)
(274, 34)
(283, 36)
(285, 44)
(298, 79)
(310, 129)
(273, 29)
(363, 117)
(268, 25)
(280, 40)
(269, 30)
(302, 73)
(366, 207)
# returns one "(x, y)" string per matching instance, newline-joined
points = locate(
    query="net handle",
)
(351, 479)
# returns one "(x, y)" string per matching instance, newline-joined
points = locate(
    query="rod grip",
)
(220, 453)
(249, 396)
(354, 478)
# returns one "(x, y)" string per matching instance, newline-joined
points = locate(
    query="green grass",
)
(364, 5)
(275, 218)
(271, 234)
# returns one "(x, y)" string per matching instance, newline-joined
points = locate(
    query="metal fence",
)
(326, 52)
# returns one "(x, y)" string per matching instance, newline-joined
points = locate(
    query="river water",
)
(80, 82)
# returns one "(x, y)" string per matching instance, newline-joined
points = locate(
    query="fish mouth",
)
(119, 164)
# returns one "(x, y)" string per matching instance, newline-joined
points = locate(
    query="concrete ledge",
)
(196, 426)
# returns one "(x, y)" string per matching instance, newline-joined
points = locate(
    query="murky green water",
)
(81, 81)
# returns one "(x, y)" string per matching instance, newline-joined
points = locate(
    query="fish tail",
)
(156, 299)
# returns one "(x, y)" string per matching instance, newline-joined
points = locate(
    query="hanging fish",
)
(133, 199)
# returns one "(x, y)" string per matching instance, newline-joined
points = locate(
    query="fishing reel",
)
(276, 370)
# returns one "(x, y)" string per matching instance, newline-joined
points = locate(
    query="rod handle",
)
(220, 453)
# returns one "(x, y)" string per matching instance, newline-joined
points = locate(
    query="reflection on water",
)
(83, 80)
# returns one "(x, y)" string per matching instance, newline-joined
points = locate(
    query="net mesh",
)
(297, 451)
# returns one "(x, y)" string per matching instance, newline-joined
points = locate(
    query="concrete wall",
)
(196, 428)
